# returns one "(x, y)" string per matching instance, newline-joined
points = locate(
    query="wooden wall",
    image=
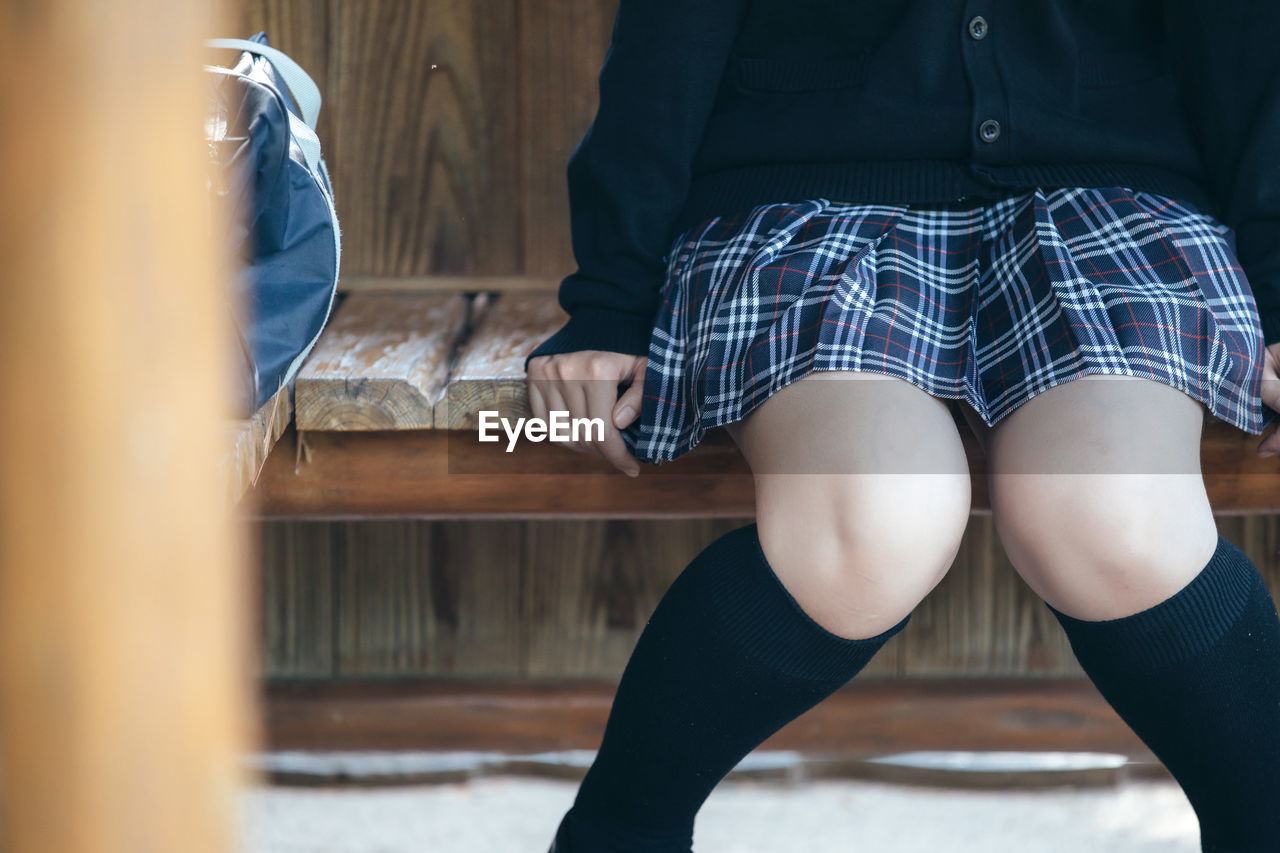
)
(447, 124)
(568, 599)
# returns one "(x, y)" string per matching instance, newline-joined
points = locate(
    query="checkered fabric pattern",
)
(989, 302)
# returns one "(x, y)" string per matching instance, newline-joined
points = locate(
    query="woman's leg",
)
(1099, 501)
(734, 651)
(862, 495)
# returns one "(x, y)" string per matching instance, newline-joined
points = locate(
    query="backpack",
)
(260, 129)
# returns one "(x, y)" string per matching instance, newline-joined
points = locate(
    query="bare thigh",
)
(862, 495)
(1098, 495)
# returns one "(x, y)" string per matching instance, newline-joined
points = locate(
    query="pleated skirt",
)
(991, 303)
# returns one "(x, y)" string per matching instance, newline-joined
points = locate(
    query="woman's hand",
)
(585, 384)
(1271, 395)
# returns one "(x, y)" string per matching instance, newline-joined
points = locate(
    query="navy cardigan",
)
(708, 107)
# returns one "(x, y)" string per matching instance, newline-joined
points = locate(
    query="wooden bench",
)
(385, 426)
(249, 443)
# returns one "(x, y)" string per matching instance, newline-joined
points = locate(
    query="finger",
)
(1270, 380)
(1271, 396)
(537, 405)
(641, 366)
(556, 403)
(575, 398)
(600, 399)
(627, 409)
(1270, 445)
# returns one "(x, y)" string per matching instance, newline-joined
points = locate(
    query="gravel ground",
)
(497, 815)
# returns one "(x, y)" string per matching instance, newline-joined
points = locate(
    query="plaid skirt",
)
(991, 303)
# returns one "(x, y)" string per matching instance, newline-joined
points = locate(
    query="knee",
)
(1104, 547)
(858, 553)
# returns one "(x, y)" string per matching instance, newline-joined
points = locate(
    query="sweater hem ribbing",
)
(737, 190)
(604, 329)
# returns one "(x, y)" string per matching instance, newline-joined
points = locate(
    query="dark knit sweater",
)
(710, 107)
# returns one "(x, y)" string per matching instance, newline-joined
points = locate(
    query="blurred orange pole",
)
(124, 697)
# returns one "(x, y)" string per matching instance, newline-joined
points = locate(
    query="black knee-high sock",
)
(1197, 677)
(727, 659)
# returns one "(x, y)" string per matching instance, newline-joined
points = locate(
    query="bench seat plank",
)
(250, 441)
(382, 363)
(449, 474)
(393, 365)
(489, 372)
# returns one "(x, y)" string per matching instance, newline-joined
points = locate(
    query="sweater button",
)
(989, 130)
(978, 28)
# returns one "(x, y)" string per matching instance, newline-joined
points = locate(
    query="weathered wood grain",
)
(867, 718)
(250, 441)
(839, 738)
(982, 619)
(300, 562)
(382, 363)
(489, 373)
(384, 618)
(304, 30)
(426, 599)
(588, 588)
(450, 474)
(560, 50)
(419, 127)
(554, 599)
(447, 474)
(448, 124)
(425, 140)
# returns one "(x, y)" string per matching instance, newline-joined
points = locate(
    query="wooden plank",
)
(546, 600)
(382, 363)
(1259, 537)
(556, 599)
(869, 717)
(472, 598)
(451, 284)
(302, 29)
(427, 599)
(300, 562)
(124, 704)
(423, 148)
(449, 474)
(446, 474)
(489, 373)
(568, 599)
(386, 602)
(250, 442)
(588, 588)
(560, 50)
(983, 620)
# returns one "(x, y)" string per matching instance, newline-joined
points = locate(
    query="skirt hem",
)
(1214, 406)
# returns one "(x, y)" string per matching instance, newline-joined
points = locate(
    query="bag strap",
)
(303, 89)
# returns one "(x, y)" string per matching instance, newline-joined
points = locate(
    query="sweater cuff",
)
(598, 329)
